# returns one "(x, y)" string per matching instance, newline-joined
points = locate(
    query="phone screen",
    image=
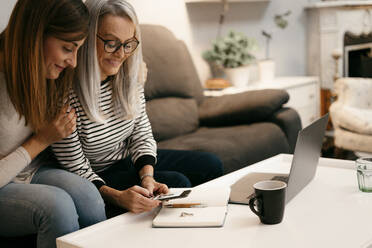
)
(172, 196)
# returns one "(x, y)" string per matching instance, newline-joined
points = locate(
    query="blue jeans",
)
(175, 168)
(56, 202)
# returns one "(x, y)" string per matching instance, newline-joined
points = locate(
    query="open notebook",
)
(210, 213)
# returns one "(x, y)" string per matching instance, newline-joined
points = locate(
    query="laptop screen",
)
(306, 156)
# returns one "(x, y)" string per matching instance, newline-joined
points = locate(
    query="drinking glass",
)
(364, 174)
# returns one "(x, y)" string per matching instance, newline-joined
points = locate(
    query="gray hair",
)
(125, 83)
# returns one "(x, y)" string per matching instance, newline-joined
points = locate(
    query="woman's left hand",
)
(152, 186)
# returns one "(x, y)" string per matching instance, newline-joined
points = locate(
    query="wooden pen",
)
(186, 205)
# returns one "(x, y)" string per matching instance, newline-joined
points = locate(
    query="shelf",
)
(335, 4)
(220, 1)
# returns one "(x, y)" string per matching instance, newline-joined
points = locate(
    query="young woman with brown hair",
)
(38, 50)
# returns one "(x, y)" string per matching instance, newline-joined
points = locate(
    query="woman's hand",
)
(152, 186)
(136, 199)
(61, 127)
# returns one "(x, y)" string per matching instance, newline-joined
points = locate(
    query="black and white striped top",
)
(93, 147)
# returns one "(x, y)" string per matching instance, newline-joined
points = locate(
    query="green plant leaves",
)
(280, 20)
(232, 51)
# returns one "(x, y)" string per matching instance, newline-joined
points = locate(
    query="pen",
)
(186, 205)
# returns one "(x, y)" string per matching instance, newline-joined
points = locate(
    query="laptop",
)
(303, 168)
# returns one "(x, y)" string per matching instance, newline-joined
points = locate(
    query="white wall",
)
(174, 15)
(5, 11)
(196, 24)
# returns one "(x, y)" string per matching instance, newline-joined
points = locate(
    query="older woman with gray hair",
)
(113, 145)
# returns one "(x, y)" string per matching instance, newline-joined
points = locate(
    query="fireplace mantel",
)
(340, 4)
(327, 23)
(326, 27)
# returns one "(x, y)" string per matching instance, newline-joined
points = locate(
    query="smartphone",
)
(173, 196)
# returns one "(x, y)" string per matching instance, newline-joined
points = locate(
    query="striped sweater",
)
(94, 147)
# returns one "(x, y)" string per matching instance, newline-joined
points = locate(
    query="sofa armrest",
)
(242, 108)
(289, 121)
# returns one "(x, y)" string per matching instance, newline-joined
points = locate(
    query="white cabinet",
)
(305, 98)
(304, 94)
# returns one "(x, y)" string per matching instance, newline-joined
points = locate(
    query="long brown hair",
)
(36, 98)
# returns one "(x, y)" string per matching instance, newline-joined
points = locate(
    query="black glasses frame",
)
(119, 45)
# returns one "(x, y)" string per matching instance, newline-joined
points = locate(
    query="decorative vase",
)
(266, 70)
(239, 76)
(217, 70)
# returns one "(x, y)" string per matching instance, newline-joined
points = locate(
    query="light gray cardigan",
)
(15, 163)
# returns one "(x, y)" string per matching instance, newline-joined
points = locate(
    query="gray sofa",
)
(240, 129)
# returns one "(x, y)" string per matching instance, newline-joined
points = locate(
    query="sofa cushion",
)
(236, 146)
(172, 117)
(241, 108)
(170, 74)
(289, 121)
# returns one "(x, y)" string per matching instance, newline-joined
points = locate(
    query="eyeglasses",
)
(111, 46)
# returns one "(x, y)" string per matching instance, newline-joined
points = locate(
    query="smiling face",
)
(114, 28)
(59, 54)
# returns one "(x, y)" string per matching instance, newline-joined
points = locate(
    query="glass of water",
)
(364, 174)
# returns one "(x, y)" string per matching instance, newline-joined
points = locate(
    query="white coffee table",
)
(329, 212)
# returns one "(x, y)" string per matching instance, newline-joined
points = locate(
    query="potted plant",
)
(232, 53)
(267, 66)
